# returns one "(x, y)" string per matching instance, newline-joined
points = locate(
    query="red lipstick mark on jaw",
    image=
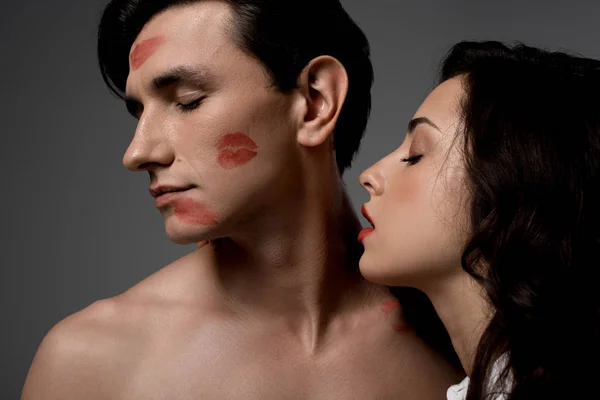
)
(144, 50)
(193, 212)
(236, 149)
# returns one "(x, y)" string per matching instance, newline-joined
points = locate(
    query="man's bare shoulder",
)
(74, 352)
(103, 342)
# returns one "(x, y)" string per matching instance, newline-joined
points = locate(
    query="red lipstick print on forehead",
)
(236, 149)
(144, 50)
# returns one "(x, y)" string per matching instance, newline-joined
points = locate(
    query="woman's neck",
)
(462, 307)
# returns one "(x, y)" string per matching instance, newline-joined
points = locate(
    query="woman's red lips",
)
(364, 233)
(367, 231)
(366, 215)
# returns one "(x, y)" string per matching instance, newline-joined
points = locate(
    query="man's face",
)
(211, 124)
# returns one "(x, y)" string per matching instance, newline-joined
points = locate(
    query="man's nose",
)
(149, 147)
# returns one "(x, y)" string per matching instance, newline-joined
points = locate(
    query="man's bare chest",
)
(262, 374)
(227, 360)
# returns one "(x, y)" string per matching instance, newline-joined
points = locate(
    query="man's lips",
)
(164, 195)
(157, 191)
(167, 198)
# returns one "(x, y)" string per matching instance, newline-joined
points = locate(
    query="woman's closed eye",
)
(412, 160)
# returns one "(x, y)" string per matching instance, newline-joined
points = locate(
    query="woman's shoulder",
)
(458, 391)
(499, 383)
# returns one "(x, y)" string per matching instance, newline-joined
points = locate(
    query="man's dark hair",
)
(284, 35)
(531, 130)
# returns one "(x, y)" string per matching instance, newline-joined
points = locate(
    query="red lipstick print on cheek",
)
(193, 212)
(236, 149)
(144, 50)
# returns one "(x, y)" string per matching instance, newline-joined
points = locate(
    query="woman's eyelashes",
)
(412, 160)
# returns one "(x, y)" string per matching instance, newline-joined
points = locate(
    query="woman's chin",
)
(373, 271)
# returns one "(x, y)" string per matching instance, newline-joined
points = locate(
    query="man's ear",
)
(323, 85)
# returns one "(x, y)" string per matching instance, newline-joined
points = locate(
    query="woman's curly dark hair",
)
(531, 125)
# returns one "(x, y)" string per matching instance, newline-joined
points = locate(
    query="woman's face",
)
(418, 199)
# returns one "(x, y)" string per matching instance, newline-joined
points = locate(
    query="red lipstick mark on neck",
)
(193, 212)
(144, 50)
(390, 306)
(236, 149)
(402, 327)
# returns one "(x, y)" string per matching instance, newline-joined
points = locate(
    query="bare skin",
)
(174, 336)
(271, 305)
(428, 193)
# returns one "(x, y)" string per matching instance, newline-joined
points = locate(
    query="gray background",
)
(78, 227)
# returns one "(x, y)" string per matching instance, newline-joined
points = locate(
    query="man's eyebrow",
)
(180, 75)
(184, 75)
(412, 125)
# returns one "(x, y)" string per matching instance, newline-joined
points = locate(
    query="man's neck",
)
(301, 266)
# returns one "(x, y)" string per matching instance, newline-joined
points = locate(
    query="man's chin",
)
(184, 238)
